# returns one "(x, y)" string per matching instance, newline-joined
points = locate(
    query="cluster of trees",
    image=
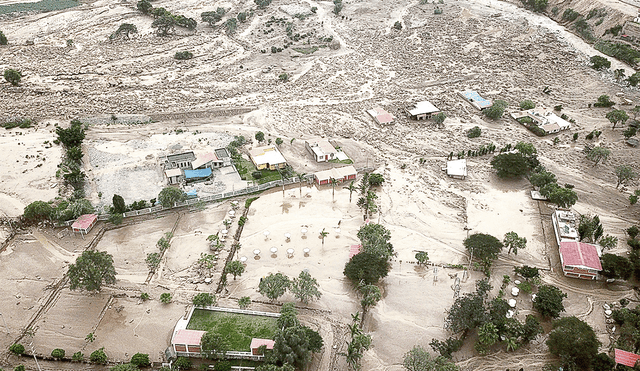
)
(124, 31)
(119, 207)
(337, 7)
(590, 230)
(231, 24)
(372, 262)
(360, 342)
(496, 110)
(165, 22)
(475, 311)
(366, 188)
(304, 287)
(576, 344)
(516, 163)
(153, 258)
(536, 5)
(294, 343)
(546, 182)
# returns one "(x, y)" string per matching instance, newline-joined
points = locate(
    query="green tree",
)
(446, 348)
(625, 173)
(513, 242)
(305, 288)
(599, 63)
(124, 31)
(397, 25)
(16, 349)
(466, 313)
(141, 360)
(562, 196)
(614, 266)
(474, 132)
(203, 299)
(259, 137)
(91, 270)
(619, 74)
(75, 154)
(422, 257)
(98, 356)
(244, 302)
(213, 17)
(165, 298)
(541, 178)
(375, 240)
(371, 295)
(164, 25)
(598, 154)
(3, 39)
(284, 77)
(213, 345)
(487, 336)
(38, 211)
(288, 316)
(367, 268)
(527, 104)
(144, 6)
(483, 247)
(351, 187)
(12, 76)
(72, 136)
(603, 101)
(323, 235)
(58, 353)
(496, 110)
(439, 118)
(574, 341)
(616, 116)
(337, 6)
(549, 301)
(231, 25)
(376, 180)
(182, 363)
(170, 195)
(292, 347)
(235, 267)
(119, 205)
(274, 285)
(418, 359)
(634, 79)
(279, 142)
(510, 165)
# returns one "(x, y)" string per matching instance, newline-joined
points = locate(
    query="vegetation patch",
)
(40, 6)
(619, 51)
(310, 50)
(237, 329)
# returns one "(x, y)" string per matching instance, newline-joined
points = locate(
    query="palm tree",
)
(333, 185)
(323, 234)
(300, 179)
(351, 189)
(364, 184)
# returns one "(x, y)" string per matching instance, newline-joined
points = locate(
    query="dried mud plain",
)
(490, 46)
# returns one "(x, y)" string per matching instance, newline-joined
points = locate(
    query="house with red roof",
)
(626, 358)
(580, 260)
(381, 116)
(84, 223)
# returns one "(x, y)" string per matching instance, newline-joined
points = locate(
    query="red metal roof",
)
(84, 221)
(626, 358)
(188, 337)
(257, 343)
(580, 254)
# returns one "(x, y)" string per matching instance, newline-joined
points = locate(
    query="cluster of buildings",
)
(578, 259)
(543, 118)
(188, 167)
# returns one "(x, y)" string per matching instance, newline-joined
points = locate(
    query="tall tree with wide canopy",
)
(91, 270)
(484, 247)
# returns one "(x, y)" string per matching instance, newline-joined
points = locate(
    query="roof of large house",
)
(626, 358)
(188, 337)
(84, 221)
(257, 343)
(322, 144)
(381, 115)
(336, 172)
(580, 254)
(181, 156)
(267, 155)
(173, 172)
(200, 173)
(423, 107)
(203, 159)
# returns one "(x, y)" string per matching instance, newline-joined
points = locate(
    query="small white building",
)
(174, 176)
(381, 116)
(422, 110)
(267, 157)
(321, 149)
(457, 168)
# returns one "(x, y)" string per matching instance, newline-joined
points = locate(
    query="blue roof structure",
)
(201, 173)
(474, 98)
(192, 193)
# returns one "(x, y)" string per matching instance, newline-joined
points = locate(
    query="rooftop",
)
(423, 107)
(267, 155)
(173, 172)
(200, 173)
(203, 159)
(381, 115)
(84, 221)
(256, 343)
(189, 337)
(457, 167)
(322, 144)
(580, 254)
(336, 172)
(475, 99)
(626, 358)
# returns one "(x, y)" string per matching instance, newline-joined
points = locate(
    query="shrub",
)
(182, 363)
(474, 132)
(17, 349)
(165, 298)
(527, 104)
(77, 356)
(19, 368)
(183, 55)
(3, 39)
(57, 353)
(496, 110)
(633, 231)
(397, 25)
(284, 77)
(558, 107)
(12, 76)
(603, 101)
(98, 356)
(144, 296)
(242, 220)
(141, 360)
(570, 15)
(203, 299)
(222, 366)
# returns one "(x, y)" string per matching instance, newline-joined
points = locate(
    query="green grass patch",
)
(40, 6)
(310, 50)
(22, 124)
(238, 329)
(246, 169)
(347, 161)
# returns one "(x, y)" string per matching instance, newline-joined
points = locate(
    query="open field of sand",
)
(494, 47)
